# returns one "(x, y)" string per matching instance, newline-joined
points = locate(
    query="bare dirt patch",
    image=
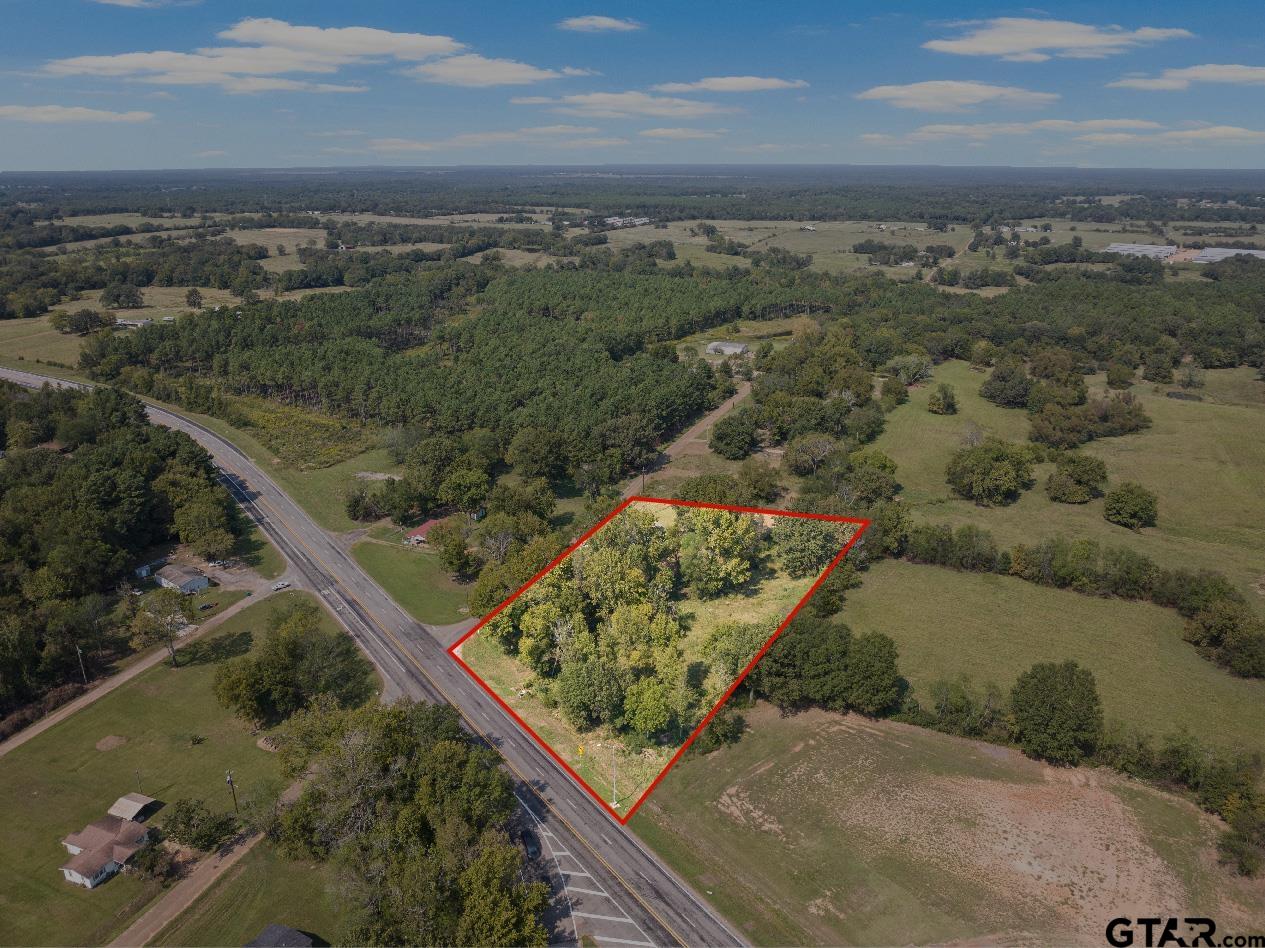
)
(110, 742)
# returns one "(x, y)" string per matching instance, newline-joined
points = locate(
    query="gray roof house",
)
(184, 578)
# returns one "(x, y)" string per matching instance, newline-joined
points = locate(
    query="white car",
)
(277, 587)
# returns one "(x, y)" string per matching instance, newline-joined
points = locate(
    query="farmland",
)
(823, 829)
(991, 628)
(1202, 459)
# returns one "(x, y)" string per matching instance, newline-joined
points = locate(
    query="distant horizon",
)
(248, 84)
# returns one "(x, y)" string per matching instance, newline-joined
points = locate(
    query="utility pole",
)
(81, 668)
(228, 779)
(614, 764)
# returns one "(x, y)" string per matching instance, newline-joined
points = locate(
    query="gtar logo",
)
(1157, 932)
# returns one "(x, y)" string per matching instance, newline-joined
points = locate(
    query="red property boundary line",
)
(623, 818)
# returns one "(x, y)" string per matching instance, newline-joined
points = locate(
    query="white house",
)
(184, 578)
(101, 849)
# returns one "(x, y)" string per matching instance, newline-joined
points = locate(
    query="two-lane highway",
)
(660, 906)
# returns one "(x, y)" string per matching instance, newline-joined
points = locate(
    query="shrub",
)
(1131, 505)
(992, 473)
(1119, 376)
(1077, 478)
(943, 401)
(1057, 713)
(735, 435)
(190, 823)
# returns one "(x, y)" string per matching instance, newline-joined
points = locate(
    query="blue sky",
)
(108, 84)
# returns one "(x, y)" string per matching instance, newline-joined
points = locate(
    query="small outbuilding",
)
(281, 936)
(132, 806)
(184, 578)
(728, 348)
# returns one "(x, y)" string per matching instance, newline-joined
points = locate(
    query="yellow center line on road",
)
(470, 721)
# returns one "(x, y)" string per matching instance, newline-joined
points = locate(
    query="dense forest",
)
(87, 487)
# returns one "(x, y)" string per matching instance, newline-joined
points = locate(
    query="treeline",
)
(31, 283)
(87, 486)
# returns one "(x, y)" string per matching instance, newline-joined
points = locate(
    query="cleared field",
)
(414, 579)
(264, 888)
(1202, 459)
(823, 829)
(139, 737)
(992, 628)
(290, 237)
(160, 301)
(34, 339)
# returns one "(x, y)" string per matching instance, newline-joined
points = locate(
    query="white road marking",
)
(573, 872)
(605, 918)
(602, 939)
(576, 888)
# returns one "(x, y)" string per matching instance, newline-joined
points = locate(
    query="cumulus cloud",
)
(949, 95)
(1177, 79)
(623, 105)
(67, 114)
(681, 134)
(473, 70)
(731, 84)
(546, 134)
(598, 24)
(1027, 39)
(273, 49)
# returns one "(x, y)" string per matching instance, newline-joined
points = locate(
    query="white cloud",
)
(281, 48)
(346, 42)
(949, 95)
(67, 114)
(598, 24)
(471, 69)
(731, 84)
(680, 134)
(1177, 79)
(624, 105)
(546, 134)
(983, 131)
(1026, 39)
(1203, 135)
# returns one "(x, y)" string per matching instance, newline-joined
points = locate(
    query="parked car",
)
(277, 587)
(207, 605)
(531, 844)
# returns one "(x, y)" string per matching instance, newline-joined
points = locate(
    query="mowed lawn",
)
(139, 737)
(1204, 461)
(819, 828)
(33, 339)
(993, 628)
(415, 579)
(263, 888)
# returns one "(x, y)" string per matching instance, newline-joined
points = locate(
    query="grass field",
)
(414, 579)
(264, 888)
(138, 737)
(29, 340)
(600, 755)
(822, 829)
(992, 628)
(260, 555)
(1202, 459)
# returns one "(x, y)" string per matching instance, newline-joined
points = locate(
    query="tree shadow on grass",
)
(218, 648)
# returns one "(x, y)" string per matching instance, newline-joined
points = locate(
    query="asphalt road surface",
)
(619, 892)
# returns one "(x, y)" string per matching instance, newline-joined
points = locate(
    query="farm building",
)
(417, 536)
(131, 323)
(184, 578)
(1154, 251)
(728, 348)
(130, 806)
(1215, 254)
(103, 847)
